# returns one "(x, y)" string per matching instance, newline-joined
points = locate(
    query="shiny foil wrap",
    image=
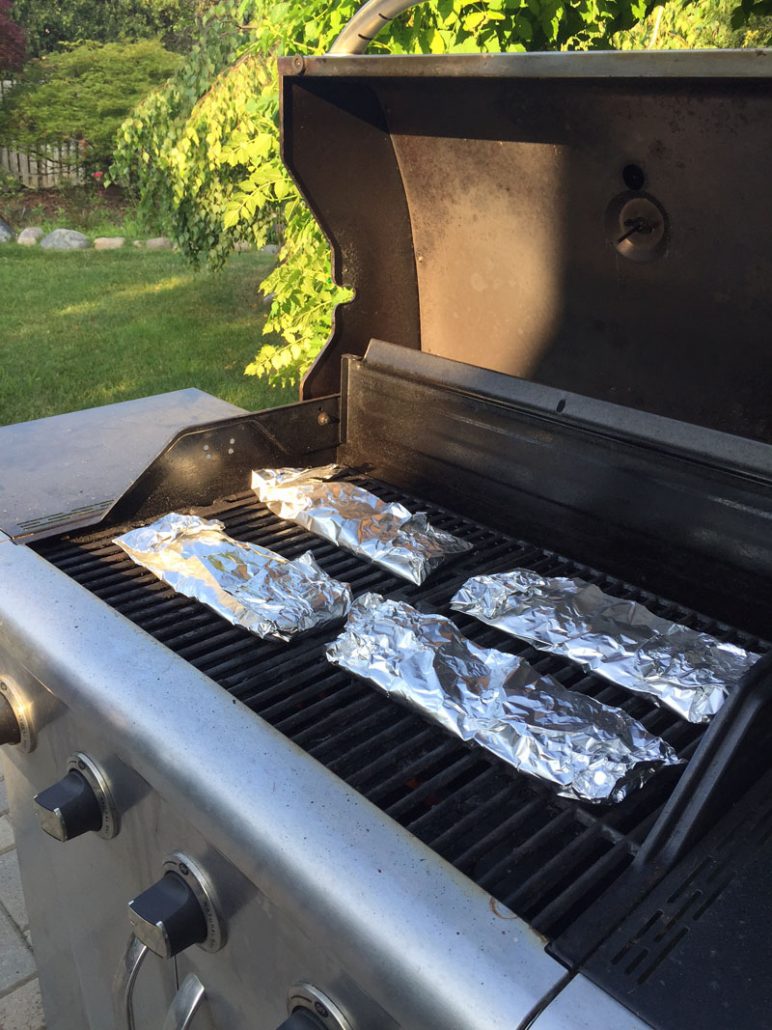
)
(356, 520)
(248, 585)
(589, 751)
(620, 640)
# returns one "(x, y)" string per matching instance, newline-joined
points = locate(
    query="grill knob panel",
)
(68, 808)
(167, 917)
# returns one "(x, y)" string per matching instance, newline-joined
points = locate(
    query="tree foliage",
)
(50, 23)
(687, 24)
(12, 39)
(83, 93)
(203, 153)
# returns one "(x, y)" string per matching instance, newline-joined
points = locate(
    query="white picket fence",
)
(45, 166)
(48, 166)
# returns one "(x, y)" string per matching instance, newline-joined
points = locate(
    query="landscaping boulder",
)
(109, 242)
(270, 248)
(240, 246)
(30, 236)
(6, 232)
(159, 243)
(64, 239)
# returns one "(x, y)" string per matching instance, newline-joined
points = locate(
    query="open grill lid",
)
(596, 222)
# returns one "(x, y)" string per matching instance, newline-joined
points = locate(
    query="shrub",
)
(83, 93)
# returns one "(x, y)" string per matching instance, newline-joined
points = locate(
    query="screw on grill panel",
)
(502, 830)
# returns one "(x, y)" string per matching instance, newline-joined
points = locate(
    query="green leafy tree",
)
(203, 153)
(687, 24)
(50, 23)
(83, 93)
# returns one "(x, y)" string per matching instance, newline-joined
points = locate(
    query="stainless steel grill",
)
(542, 857)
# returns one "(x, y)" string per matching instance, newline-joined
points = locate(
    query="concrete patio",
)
(20, 1005)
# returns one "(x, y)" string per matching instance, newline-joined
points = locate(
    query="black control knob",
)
(302, 1019)
(69, 808)
(168, 917)
(10, 732)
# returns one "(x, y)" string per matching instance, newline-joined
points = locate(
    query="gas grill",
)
(314, 854)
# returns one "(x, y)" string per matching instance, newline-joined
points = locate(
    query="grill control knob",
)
(79, 802)
(167, 917)
(302, 1019)
(177, 911)
(10, 731)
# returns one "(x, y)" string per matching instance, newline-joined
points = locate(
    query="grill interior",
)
(545, 858)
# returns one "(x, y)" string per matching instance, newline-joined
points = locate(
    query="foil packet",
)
(621, 640)
(248, 585)
(585, 749)
(353, 518)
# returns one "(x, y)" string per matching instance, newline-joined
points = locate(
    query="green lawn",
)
(83, 328)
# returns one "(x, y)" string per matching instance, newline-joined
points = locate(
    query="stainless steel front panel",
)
(76, 892)
(328, 889)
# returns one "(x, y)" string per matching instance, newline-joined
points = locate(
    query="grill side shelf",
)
(541, 856)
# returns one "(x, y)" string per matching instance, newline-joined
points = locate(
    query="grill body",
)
(349, 845)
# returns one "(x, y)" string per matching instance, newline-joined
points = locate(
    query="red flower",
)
(98, 175)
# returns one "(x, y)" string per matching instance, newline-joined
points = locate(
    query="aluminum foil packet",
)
(248, 585)
(620, 640)
(587, 750)
(355, 519)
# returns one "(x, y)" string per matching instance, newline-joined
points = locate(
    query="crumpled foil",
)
(248, 585)
(620, 640)
(589, 751)
(356, 520)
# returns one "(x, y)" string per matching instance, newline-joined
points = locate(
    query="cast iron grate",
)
(543, 857)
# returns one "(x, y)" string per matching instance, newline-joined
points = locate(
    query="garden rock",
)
(109, 242)
(159, 243)
(30, 236)
(6, 232)
(240, 246)
(270, 248)
(64, 239)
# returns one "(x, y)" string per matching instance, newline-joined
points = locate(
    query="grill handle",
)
(125, 981)
(185, 1004)
(365, 25)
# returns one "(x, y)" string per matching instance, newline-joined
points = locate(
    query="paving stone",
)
(159, 243)
(16, 961)
(22, 1009)
(11, 894)
(65, 239)
(30, 236)
(109, 242)
(6, 835)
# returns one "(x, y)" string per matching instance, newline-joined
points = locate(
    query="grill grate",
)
(544, 857)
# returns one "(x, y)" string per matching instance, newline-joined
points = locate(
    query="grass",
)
(83, 328)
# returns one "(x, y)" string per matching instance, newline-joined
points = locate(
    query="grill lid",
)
(594, 222)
